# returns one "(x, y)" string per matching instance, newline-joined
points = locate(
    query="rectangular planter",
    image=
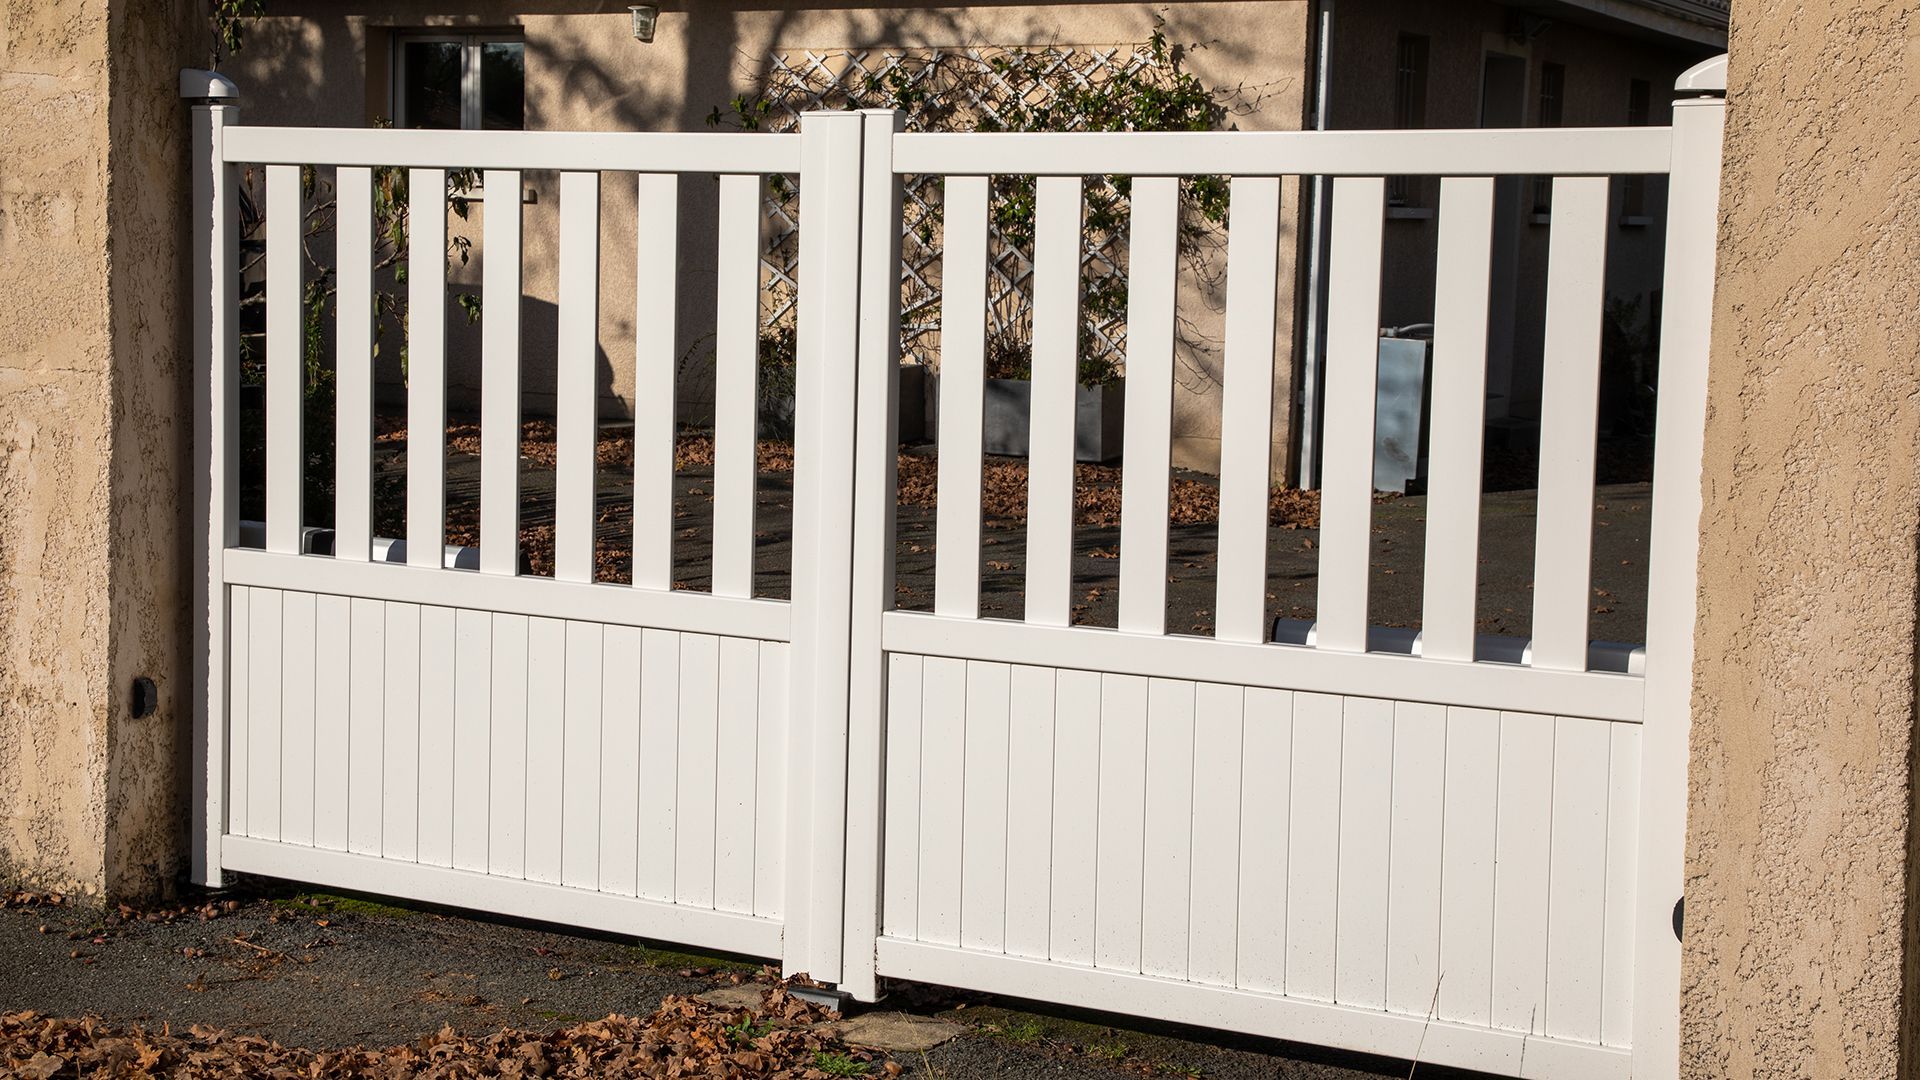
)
(1098, 428)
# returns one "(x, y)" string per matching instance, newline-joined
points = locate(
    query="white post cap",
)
(1705, 77)
(198, 85)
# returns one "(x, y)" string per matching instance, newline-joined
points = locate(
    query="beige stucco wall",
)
(91, 443)
(1800, 881)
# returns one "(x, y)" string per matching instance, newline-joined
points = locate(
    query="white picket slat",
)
(1246, 408)
(1120, 858)
(1076, 815)
(983, 864)
(737, 770)
(900, 874)
(472, 737)
(400, 750)
(581, 756)
(943, 757)
(286, 370)
(576, 400)
(1467, 865)
(1153, 250)
(1353, 366)
(1266, 800)
(298, 686)
(1166, 906)
(500, 377)
(1029, 900)
(620, 759)
(656, 363)
(1418, 838)
(545, 754)
(353, 364)
(508, 732)
(437, 745)
(1056, 381)
(366, 710)
(736, 375)
(659, 771)
(332, 634)
(426, 366)
(1522, 847)
(262, 762)
(698, 776)
(963, 367)
(1313, 846)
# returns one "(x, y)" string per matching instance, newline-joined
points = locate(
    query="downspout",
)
(1313, 341)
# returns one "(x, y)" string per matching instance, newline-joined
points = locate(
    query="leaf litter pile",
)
(685, 1039)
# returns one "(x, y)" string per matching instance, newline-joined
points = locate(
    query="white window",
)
(472, 81)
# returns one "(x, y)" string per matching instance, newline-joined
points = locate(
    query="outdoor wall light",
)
(645, 17)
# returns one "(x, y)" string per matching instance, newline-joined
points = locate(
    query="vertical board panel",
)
(737, 772)
(580, 804)
(770, 797)
(472, 737)
(698, 768)
(1623, 850)
(1029, 809)
(500, 379)
(400, 787)
(436, 735)
(1353, 364)
(426, 366)
(900, 876)
(983, 869)
(366, 692)
(620, 760)
(546, 748)
(1569, 422)
(507, 790)
(263, 714)
(353, 364)
(1214, 889)
(943, 758)
(1577, 879)
(298, 685)
(286, 370)
(1246, 408)
(1366, 834)
(575, 389)
(1152, 253)
(240, 655)
(1056, 378)
(333, 628)
(659, 750)
(963, 349)
(1522, 842)
(1166, 904)
(1466, 865)
(1120, 869)
(656, 363)
(1419, 816)
(1313, 846)
(1076, 814)
(1266, 796)
(736, 345)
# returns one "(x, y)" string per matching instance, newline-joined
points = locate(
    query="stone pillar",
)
(1800, 918)
(94, 437)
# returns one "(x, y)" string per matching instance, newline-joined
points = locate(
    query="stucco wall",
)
(1799, 923)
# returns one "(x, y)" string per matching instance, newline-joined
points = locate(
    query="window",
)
(1553, 97)
(1633, 189)
(1409, 109)
(460, 81)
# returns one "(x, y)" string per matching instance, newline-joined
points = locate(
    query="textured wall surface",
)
(1800, 867)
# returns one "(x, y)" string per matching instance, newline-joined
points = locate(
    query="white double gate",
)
(1428, 856)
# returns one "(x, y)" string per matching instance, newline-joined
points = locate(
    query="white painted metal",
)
(353, 364)
(1056, 378)
(426, 365)
(1153, 250)
(736, 377)
(576, 396)
(1246, 409)
(500, 380)
(286, 371)
(656, 364)
(963, 359)
(1353, 363)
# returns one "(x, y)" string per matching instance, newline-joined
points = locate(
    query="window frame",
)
(472, 47)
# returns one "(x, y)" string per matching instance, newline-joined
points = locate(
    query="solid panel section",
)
(737, 771)
(983, 869)
(1166, 901)
(1246, 408)
(1120, 870)
(400, 785)
(583, 754)
(1419, 817)
(436, 735)
(366, 720)
(1029, 809)
(698, 774)
(656, 366)
(264, 714)
(1623, 844)
(963, 359)
(546, 748)
(239, 733)
(943, 758)
(576, 393)
(507, 760)
(472, 737)
(286, 370)
(332, 630)
(1076, 814)
(500, 380)
(1056, 379)
(900, 872)
(353, 364)
(297, 739)
(735, 418)
(1366, 828)
(1266, 797)
(1577, 879)
(620, 759)
(1152, 253)
(770, 796)
(1353, 364)
(1313, 846)
(1466, 865)
(1522, 842)
(426, 366)
(1214, 887)
(659, 753)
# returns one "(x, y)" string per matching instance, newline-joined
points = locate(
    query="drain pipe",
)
(1313, 340)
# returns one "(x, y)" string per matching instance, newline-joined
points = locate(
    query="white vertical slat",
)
(426, 366)
(1266, 801)
(1119, 870)
(659, 753)
(1366, 836)
(436, 735)
(1413, 899)
(1313, 846)
(298, 684)
(983, 866)
(1246, 408)
(238, 735)
(575, 392)
(963, 360)
(736, 395)
(1029, 809)
(1577, 879)
(353, 364)
(1569, 422)
(507, 759)
(1522, 840)
(620, 760)
(1459, 388)
(769, 865)
(943, 757)
(1056, 380)
(400, 755)
(1623, 827)
(1213, 893)
(500, 378)
(1166, 907)
(546, 748)
(900, 876)
(698, 768)
(264, 714)
(656, 362)
(332, 627)
(1152, 256)
(1353, 364)
(1466, 865)
(582, 755)
(366, 706)
(286, 370)
(1076, 815)
(472, 737)
(736, 771)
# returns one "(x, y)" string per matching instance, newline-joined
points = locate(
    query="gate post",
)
(1693, 199)
(822, 541)
(215, 226)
